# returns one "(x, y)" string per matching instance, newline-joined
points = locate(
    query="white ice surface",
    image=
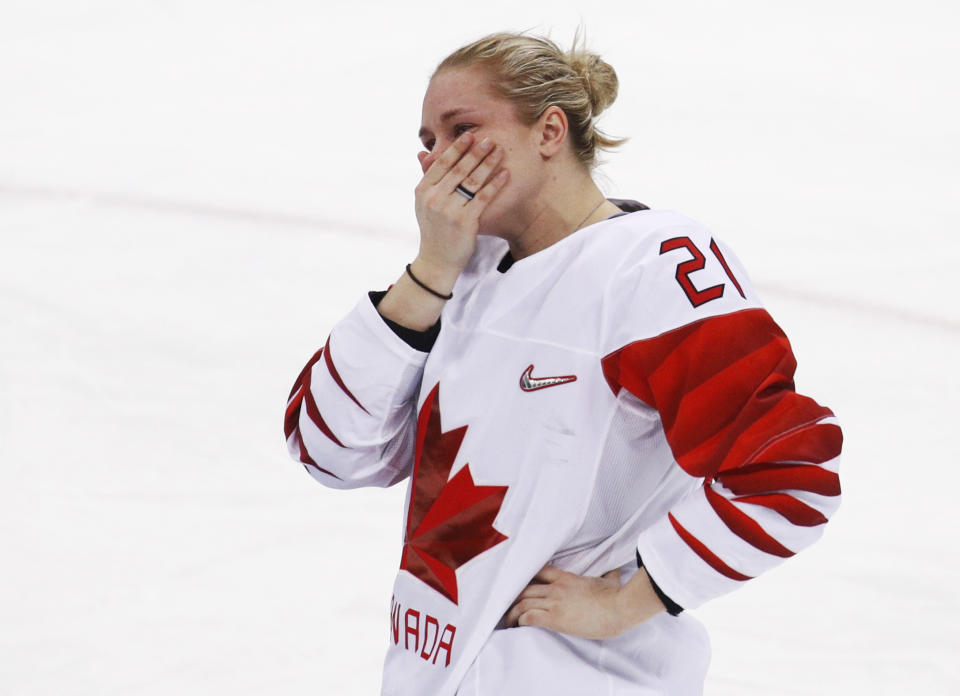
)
(191, 193)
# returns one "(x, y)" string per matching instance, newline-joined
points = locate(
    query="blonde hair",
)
(535, 74)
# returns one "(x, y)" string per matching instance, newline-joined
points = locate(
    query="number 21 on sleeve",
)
(685, 268)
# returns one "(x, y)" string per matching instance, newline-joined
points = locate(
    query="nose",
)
(439, 147)
(428, 159)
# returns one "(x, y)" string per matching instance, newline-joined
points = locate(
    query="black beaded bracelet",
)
(426, 287)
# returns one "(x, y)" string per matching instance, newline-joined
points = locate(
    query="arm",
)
(768, 456)
(448, 228)
(719, 374)
(350, 417)
(724, 389)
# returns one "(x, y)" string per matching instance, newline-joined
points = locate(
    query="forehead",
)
(462, 90)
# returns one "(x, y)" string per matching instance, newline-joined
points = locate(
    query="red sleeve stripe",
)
(336, 375)
(663, 369)
(303, 373)
(817, 444)
(744, 526)
(291, 419)
(679, 362)
(706, 554)
(797, 512)
(724, 390)
(314, 414)
(791, 423)
(294, 401)
(292, 416)
(766, 478)
(622, 369)
(692, 418)
(307, 460)
(703, 434)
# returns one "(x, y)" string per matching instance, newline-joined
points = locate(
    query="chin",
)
(492, 229)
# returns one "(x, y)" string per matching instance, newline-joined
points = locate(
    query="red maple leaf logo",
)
(449, 522)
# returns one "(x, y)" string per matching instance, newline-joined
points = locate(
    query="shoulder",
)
(636, 237)
(667, 271)
(622, 252)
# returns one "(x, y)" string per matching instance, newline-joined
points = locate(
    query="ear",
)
(553, 129)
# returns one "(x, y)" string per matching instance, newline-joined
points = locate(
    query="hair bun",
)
(599, 78)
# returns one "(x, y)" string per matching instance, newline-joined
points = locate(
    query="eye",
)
(457, 131)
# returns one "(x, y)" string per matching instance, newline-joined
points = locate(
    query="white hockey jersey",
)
(622, 390)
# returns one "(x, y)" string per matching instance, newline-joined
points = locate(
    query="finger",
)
(522, 606)
(450, 156)
(476, 178)
(480, 201)
(458, 173)
(535, 617)
(535, 590)
(548, 573)
(510, 618)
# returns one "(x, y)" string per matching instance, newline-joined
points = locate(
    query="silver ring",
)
(464, 192)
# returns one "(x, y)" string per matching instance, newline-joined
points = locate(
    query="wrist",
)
(417, 299)
(637, 601)
(626, 610)
(439, 277)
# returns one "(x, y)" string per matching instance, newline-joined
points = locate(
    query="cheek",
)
(523, 173)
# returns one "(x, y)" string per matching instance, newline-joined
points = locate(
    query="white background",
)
(192, 192)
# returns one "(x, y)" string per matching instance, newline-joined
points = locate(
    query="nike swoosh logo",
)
(530, 383)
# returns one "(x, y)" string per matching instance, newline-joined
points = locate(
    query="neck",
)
(569, 204)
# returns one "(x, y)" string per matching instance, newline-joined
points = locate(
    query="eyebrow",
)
(447, 115)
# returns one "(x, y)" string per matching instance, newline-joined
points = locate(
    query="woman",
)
(596, 414)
